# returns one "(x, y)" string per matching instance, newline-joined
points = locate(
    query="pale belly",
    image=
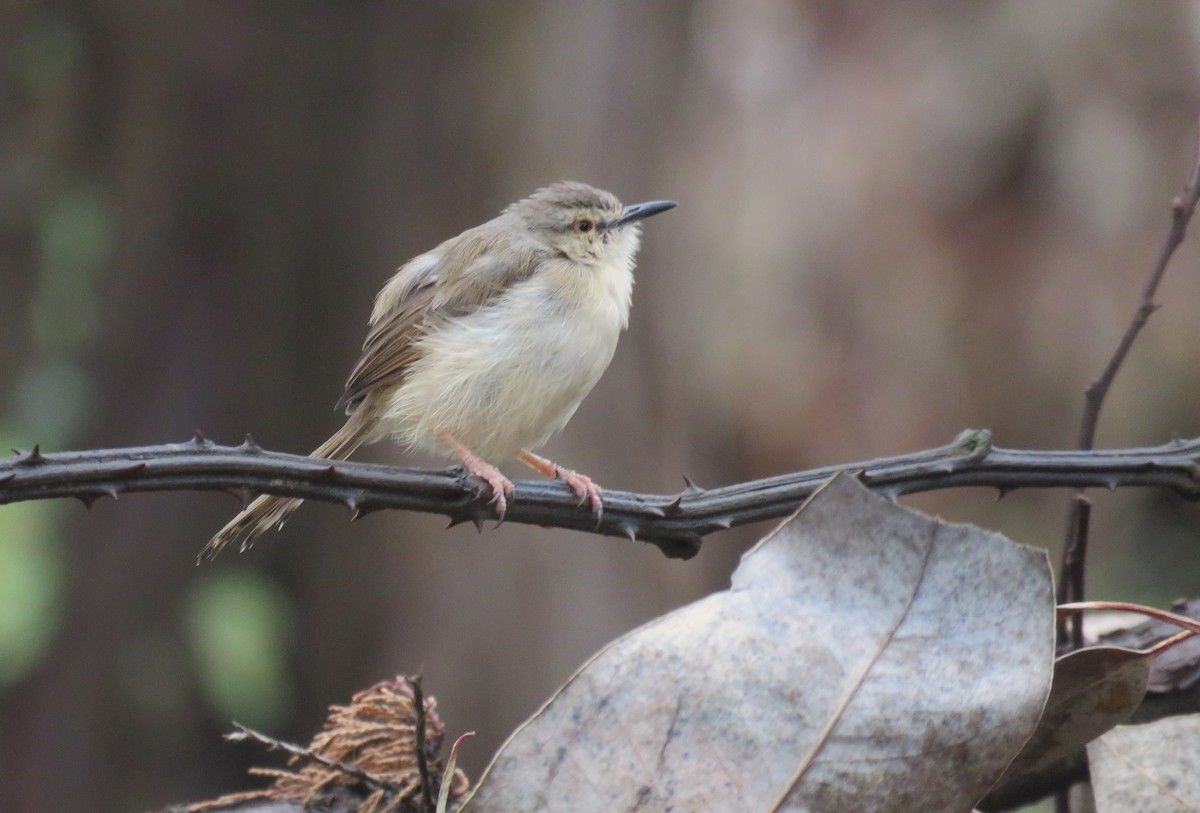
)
(504, 378)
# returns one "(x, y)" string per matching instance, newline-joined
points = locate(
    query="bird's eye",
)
(584, 226)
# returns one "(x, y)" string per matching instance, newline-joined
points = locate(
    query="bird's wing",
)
(455, 279)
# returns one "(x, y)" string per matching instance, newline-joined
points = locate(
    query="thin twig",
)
(675, 523)
(1074, 557)
(272, 744)
(1075, 545)
(414, 683)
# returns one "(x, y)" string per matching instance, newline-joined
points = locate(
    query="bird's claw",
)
(584, 487)
(501, 486)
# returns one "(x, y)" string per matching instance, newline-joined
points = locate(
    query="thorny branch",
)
(675, 523)
(1075, 546)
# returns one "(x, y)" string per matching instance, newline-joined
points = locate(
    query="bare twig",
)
(675, 523)
(1074, 557)
(272, 744)
(1075, 545)
(414, 683)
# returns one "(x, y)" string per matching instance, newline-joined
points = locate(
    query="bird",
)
(484, 347)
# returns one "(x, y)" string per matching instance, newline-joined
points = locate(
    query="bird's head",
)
(585, 224)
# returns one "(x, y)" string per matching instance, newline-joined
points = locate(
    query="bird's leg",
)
(581, 484)
(476, 466)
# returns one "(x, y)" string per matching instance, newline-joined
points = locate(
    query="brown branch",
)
(675, 523)
(1075, 545)
(1182, 209)
(414, 685)
(1073, 560)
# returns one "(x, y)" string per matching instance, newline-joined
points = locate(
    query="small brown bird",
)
(486, 345)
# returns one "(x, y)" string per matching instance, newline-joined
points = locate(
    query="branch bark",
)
(674, 523)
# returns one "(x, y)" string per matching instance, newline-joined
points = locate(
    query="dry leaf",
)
(1094, 690)
(867, 657)
(1152, 768)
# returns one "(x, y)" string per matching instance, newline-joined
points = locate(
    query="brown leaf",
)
(867, 657)
(1094, 690)
(1152, 768)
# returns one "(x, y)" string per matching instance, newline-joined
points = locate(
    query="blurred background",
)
(896, 221)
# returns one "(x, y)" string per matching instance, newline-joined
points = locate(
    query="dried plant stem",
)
(414, 683)
(1075, 545)
(272, 744)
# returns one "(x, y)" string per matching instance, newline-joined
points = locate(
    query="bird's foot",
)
(583, 486)
(501, 486)
(477, 467)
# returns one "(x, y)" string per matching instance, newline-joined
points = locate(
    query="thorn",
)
(330, 472)
(454, 521)
(249, 446)
(132, 468)
(473, 487)
(8, 478)
(242, 495)
(352, 504)
(674, 507)
(689, 487)
(33, 457)
(723, 523)
(198, 439)
(1112, 484)
(629, 530)
(1003, 491)
(359, 513)
(88, 498)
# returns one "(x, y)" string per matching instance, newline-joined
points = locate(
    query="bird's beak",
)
(640, 211)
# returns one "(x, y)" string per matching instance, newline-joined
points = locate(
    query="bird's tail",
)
(269, 511)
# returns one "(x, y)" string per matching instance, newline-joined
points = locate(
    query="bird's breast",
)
(512, 373)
